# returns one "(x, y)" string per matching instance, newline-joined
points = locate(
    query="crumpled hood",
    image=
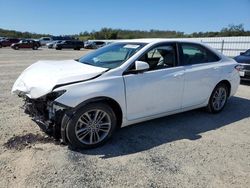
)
(40, 78)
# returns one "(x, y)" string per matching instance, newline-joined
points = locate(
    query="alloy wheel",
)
(93, 126)
(219, 98)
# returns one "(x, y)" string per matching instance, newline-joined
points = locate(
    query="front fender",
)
(112, 87)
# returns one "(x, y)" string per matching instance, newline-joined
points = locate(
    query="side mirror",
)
(141, 66)
(242, 53)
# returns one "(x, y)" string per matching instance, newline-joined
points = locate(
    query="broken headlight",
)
(53, 95)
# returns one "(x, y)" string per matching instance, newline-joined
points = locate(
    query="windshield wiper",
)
(84, 62)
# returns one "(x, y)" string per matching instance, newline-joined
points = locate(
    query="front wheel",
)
(218, 99)
(91, 126)
(35, 48)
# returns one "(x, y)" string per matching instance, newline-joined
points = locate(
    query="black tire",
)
(1, 46)
(58, 48)
(73, 125)
(16, 48)
(211, 107)
(35, 47)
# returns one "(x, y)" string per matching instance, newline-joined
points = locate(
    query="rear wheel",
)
(16, 48)
(91, 126)
(35, 47)
(1, 46)
(218, 99)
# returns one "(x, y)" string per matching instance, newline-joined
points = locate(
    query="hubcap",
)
(93, 126)
(219, 98)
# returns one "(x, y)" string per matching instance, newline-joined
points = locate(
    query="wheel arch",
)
(228, 84)
(111, 102)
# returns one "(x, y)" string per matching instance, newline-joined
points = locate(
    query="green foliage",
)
(108, 33)
(18, 34)
(231, 30)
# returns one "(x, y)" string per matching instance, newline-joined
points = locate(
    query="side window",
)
(160, 57)
(196, 54)
(99, 43)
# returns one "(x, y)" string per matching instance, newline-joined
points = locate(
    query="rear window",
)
(196, 54)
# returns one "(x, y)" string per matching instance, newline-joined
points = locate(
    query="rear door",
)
(24, 44)
(202, 70)
(71, 44)
(30, 44)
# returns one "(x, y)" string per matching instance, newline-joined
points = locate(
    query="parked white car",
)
(124, 83)
(45, 40)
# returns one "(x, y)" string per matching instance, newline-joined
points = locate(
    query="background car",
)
(94, 44)
(244, 69)
(69, 44)
(2, 38)
(52, 44)
(44, 40)
(8, 42)
(26, 44)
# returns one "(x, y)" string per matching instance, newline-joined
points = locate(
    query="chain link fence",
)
(229, 46)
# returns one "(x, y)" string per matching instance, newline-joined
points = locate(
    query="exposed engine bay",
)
(46, 112)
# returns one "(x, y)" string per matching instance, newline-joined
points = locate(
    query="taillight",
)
(239, 67)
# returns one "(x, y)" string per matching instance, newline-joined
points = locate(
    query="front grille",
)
(247, 74)
(247, 67)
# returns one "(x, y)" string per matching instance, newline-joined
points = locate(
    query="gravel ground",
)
(192, 149)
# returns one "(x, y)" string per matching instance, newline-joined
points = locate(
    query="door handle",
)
(178, 74)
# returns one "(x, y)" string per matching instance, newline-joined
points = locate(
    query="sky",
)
(62, 17)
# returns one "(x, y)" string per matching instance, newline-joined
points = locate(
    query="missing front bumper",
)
(46, 114)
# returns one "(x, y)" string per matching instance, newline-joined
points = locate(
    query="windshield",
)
(111, 56)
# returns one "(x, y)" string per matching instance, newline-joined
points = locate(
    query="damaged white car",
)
(83, 101)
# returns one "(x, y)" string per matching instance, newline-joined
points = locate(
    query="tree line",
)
(109, 33)
(19, 34)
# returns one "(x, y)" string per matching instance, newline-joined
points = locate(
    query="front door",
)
(158, 90)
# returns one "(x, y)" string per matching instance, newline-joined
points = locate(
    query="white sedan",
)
(83, 101)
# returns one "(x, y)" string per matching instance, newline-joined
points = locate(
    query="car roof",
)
(157, 40)
(153, 41)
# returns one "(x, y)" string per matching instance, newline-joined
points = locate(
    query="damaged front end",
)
(46, 112)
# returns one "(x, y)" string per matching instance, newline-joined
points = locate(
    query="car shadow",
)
(246, 83)
(188, 125)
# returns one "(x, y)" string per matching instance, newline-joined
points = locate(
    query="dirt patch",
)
(22, 141)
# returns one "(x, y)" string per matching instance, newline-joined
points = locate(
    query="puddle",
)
(22, 141)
